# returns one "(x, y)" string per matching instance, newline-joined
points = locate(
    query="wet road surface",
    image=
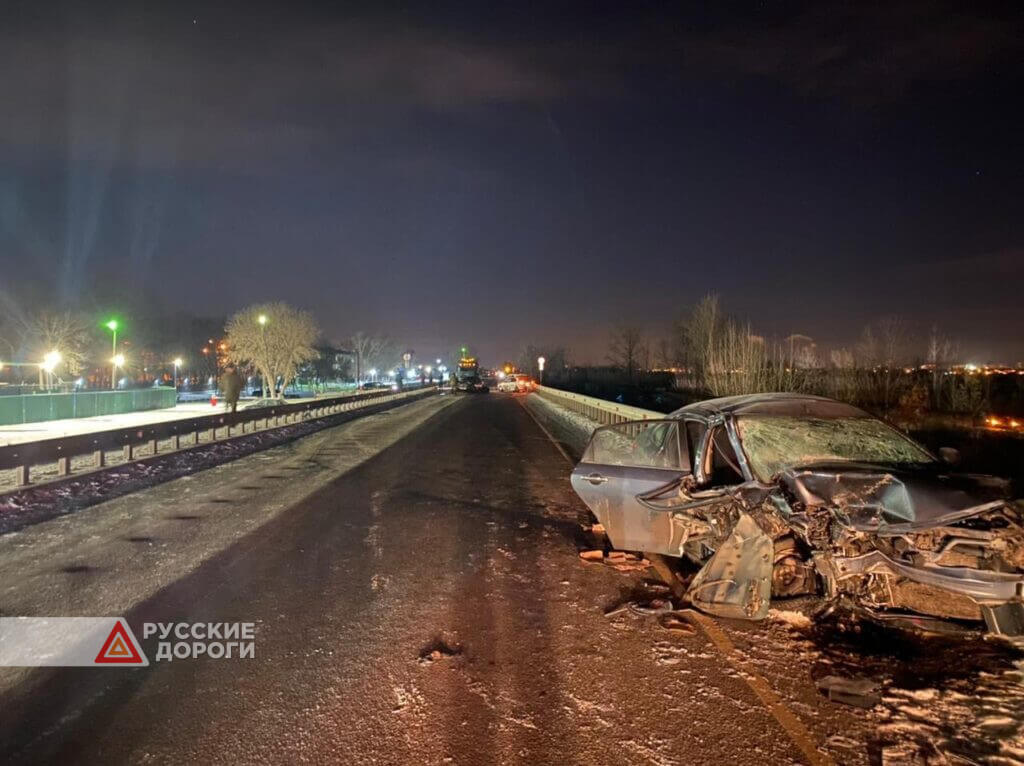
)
(428, 605)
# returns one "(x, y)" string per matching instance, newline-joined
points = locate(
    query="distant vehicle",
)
(516, 382)
(467, 377)
(781, 495)
(473, 384)
(371, 384)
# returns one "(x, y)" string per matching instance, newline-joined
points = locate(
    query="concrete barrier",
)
(598, 410)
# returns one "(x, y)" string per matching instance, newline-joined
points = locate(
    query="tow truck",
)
(467, 377)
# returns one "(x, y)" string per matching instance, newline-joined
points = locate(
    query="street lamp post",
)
(177, 364)
(115, 362)
(540, 367)
(50, 362)
(262, 319)
(112, 326)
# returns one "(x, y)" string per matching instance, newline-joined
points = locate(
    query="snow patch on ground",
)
(793, 619)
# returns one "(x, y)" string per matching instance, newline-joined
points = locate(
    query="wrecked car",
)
(783, 495)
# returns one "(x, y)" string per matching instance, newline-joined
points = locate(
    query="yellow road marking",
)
(797, 732)
(792, 725)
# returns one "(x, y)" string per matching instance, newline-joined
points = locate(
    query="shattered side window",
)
(694, 434)
(723, 469)
(645, 444)
(773, 443)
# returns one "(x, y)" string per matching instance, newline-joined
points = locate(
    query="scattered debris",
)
(438, 649)
(677, 622)
(655, 606)
(621, 561)
(858, 691)
(796, 620)
(626, 562)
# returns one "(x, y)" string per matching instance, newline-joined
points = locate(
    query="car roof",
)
(772, 404)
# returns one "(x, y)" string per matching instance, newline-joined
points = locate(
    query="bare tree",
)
(700, 331)
(371, 351)
(940, 353)
(383, 352)
(881, 353)
(276, 346)
(361, 344)
(627, 350)
(64, 332)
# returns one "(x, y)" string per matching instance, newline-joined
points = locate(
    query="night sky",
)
(498, 174)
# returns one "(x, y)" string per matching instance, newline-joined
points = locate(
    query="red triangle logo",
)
(119, 648)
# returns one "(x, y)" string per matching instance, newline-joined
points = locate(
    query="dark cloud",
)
(510, 173)
(185, 96)
(866, 52)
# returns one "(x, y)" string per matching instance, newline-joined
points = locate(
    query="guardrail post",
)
(195, 437)
(128, 451)
(153, 444)
(176, 441)
(99, 458)
(21, 476)
(63, 466)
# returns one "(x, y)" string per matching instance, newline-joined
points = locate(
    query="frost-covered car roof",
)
(793, 405)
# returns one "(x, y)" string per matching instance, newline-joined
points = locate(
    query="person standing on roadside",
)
(231, 387)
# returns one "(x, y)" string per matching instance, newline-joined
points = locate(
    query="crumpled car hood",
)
(870, 498)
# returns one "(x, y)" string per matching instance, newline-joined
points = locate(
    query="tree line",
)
(274, 341)
(707, 352)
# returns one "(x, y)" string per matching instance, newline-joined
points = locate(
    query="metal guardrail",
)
(598, 410)
(183, 434)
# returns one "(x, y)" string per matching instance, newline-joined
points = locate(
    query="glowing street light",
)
(540, 366)
(50, 361)
(177, 364)
(262, 319)
(117, 361)
(112, 326)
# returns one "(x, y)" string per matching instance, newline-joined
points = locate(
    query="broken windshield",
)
(773, 443)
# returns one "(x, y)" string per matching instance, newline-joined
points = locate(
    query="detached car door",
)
(624, 464)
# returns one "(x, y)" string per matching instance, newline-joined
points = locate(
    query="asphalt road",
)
(424, 604)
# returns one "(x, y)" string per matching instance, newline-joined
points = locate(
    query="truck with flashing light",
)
(467, 376)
